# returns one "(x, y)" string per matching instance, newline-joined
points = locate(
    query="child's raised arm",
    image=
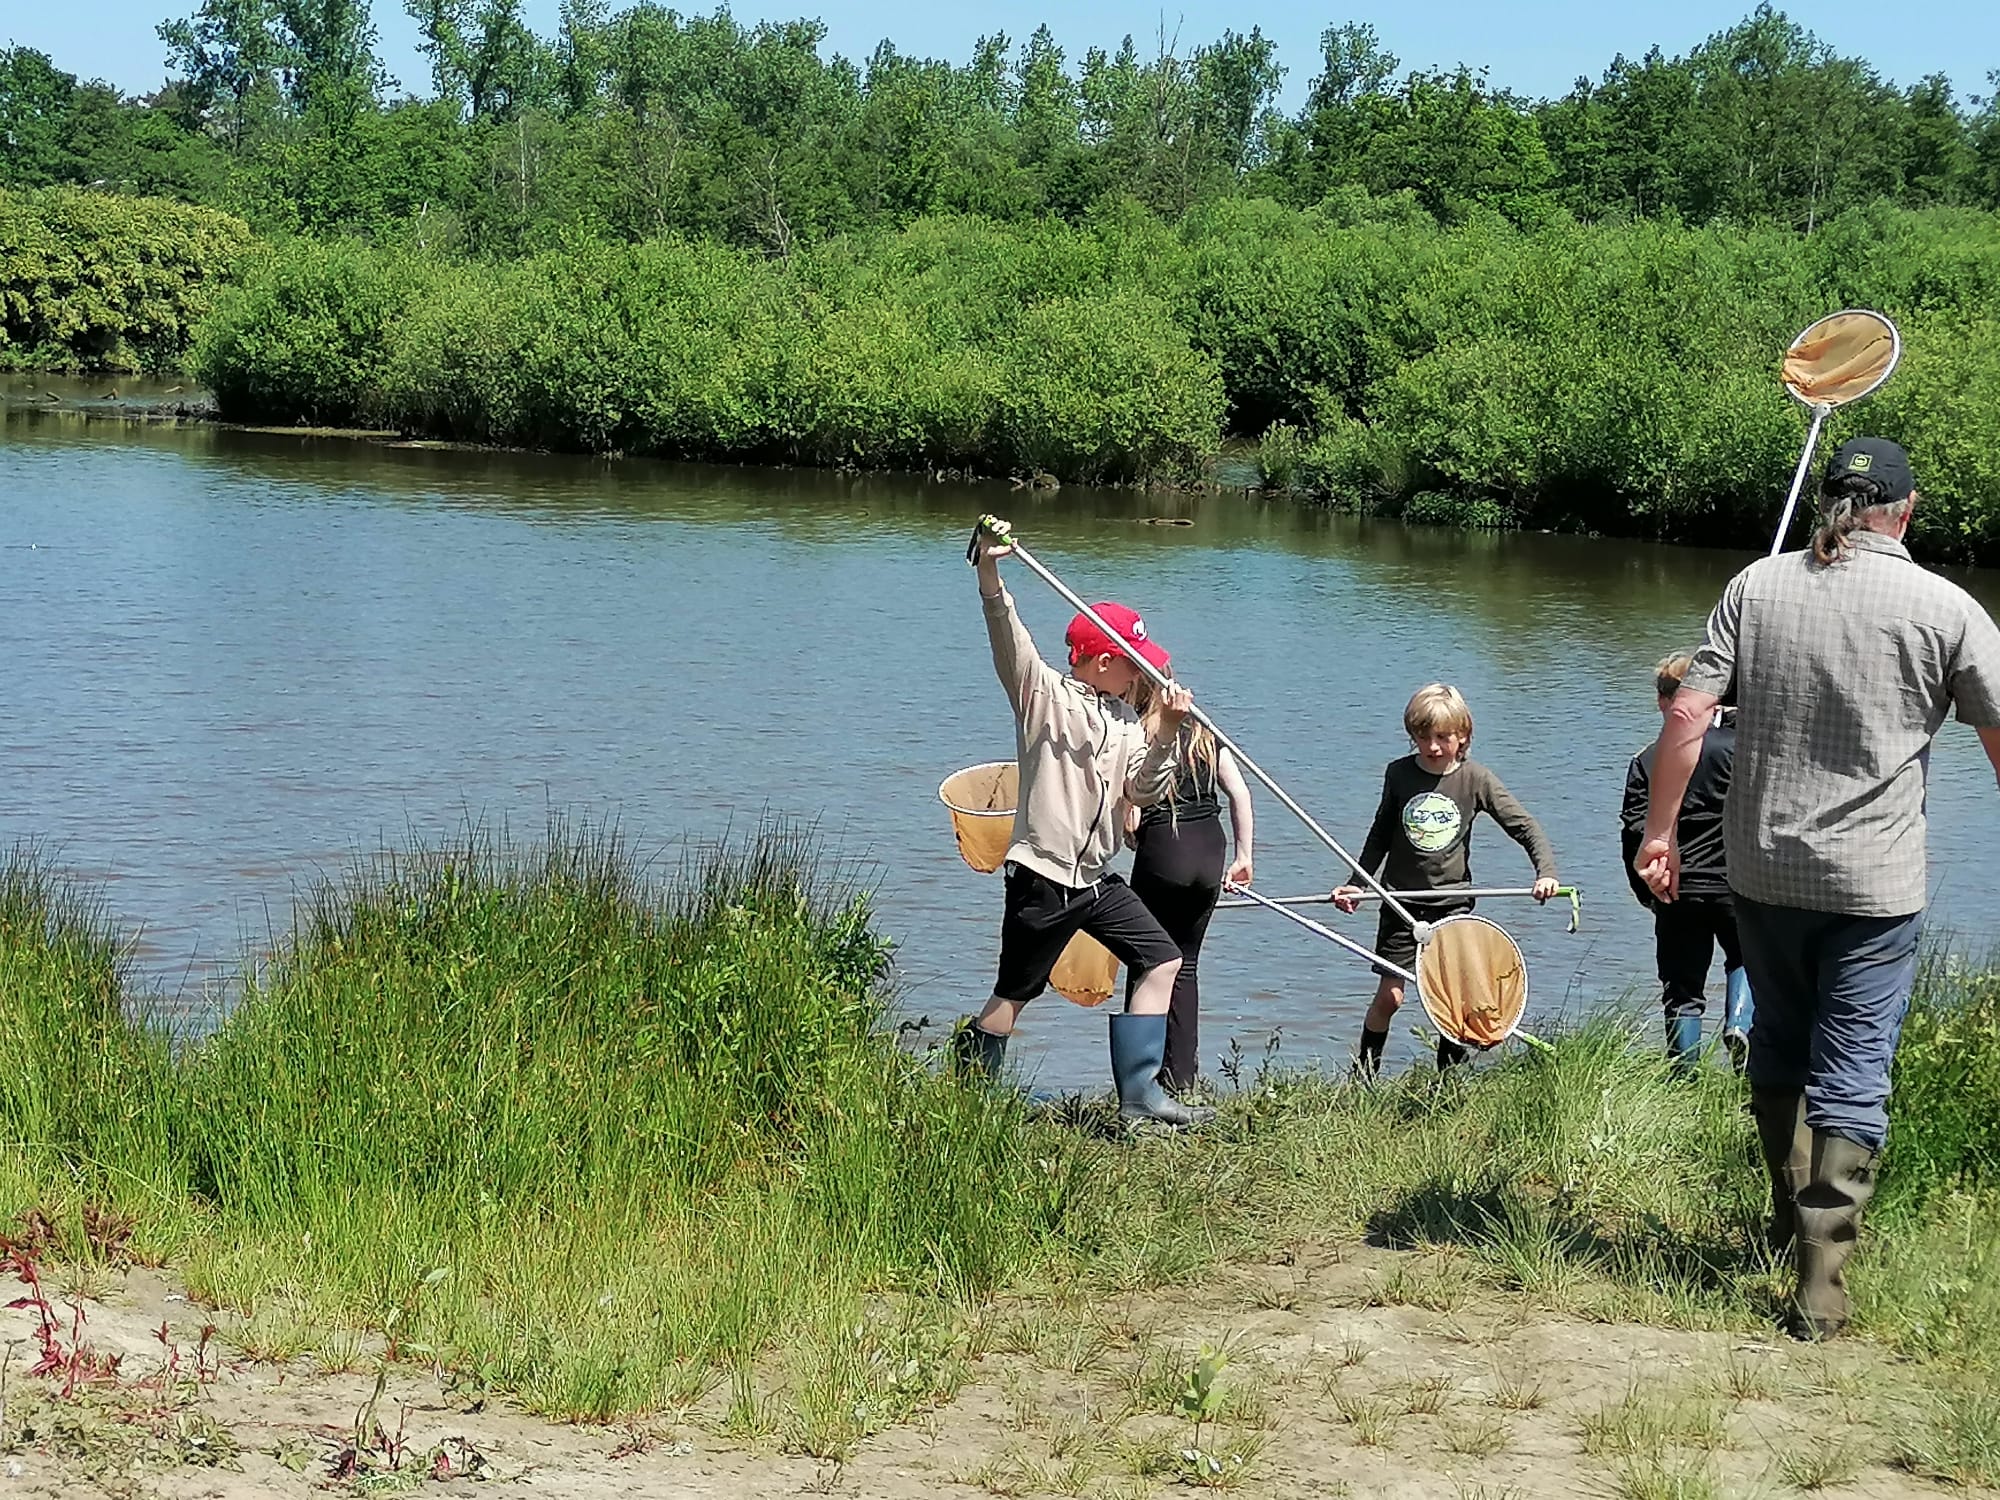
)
(1019, 665)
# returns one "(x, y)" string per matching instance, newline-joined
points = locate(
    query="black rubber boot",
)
(976, 1052)
(1830, 1206)
(1450, 1054)
(1787, 1144)
(1138, 1043)
(1368, 1064)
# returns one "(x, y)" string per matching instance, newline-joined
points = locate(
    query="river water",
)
(236, 660)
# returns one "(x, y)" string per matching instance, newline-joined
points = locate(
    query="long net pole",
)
(1161, 680)
(1820, 414)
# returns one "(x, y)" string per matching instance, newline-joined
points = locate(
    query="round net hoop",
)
(1472, 981)
(1086, 973)
(981, 802)
(1841, 358)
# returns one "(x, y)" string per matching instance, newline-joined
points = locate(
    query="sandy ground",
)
(1333, 1389)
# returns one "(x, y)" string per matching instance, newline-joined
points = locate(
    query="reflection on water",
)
(239, 658)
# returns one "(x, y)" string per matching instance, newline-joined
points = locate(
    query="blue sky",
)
(1534, 46)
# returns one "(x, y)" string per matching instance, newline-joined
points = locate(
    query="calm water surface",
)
(236, 660)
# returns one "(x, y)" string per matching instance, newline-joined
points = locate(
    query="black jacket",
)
(1703, 869)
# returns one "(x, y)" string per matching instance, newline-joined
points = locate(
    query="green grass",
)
(620, 1145)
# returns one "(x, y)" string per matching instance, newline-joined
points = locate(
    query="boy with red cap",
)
(1081, 750)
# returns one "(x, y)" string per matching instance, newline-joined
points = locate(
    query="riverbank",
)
(628, 1151)
(1349, 1369)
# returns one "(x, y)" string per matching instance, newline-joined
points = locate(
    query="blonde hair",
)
(1438, 708)
(1668, 674)
(1195, 735)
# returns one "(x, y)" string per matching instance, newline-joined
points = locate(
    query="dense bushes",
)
(89, 281)
(705, 351)
(1614, 377)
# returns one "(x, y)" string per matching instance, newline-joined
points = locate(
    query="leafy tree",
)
(232, 57)
(37, 100)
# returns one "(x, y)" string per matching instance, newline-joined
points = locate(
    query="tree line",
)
(625, 125)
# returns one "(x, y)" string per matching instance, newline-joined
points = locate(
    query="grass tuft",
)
(1658, 1478)
(1820, 1465)
(1647, 1424)
(1479, 1437)
(1957, 1439)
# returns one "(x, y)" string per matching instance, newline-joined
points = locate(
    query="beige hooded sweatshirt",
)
(1079, 751)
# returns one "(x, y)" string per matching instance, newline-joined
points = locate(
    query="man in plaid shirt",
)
(1845, 661)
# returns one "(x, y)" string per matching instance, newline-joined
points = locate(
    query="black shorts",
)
(1042, 917)
(1395, 941)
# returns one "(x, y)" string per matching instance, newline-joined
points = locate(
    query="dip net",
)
(1841, 358)
(1472, 981)
(981, 802)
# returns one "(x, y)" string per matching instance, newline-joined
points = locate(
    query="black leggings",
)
(1178, 874)
(1686, 934)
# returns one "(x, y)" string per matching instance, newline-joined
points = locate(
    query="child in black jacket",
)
(1686, 932)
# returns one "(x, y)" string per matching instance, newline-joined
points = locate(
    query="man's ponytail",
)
(1844, 499)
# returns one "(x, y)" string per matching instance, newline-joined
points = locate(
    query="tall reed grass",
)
(612, 1143)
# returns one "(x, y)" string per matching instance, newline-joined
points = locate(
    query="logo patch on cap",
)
(1138, 628)
(1861, 463)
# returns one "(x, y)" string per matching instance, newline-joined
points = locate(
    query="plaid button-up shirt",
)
(1843, 675)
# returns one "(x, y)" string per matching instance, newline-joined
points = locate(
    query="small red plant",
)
(78, 1365)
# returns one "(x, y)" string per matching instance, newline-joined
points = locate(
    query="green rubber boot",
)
(1830, 1206)
(1138, 1047)
(1781, 1131)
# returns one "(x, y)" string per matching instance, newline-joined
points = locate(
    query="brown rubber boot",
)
(1781, 1131)
(1830, 1206)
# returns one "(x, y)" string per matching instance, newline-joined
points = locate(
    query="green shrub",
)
(307, 337)
(1432, 508)
(1352, 464)
(91, 281)
(1279, 452)
(1108, 388)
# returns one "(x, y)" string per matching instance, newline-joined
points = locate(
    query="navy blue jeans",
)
(1831, 992)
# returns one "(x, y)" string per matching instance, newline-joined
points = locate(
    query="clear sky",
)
(1533, 46)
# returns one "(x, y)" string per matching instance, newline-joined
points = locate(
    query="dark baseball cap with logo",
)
(1877, 459)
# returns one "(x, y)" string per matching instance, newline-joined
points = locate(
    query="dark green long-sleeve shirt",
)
(1423, 827)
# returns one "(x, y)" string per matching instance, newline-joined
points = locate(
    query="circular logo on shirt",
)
(1431, 822)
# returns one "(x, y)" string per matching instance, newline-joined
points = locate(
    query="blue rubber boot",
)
(1684, 1042)
(1737, 1018)
(977, 1053)
(1138, 1048)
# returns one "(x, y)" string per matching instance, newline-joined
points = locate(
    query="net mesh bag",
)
(981, 800)
(1472, 981)
(1086, 973)
(1841, 358)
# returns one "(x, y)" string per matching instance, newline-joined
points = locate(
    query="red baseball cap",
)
(1085, 639)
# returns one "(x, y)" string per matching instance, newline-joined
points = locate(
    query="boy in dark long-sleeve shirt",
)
(1687, 932)
(1421, 840)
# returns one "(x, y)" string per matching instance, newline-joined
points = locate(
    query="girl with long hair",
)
(1182, 858)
